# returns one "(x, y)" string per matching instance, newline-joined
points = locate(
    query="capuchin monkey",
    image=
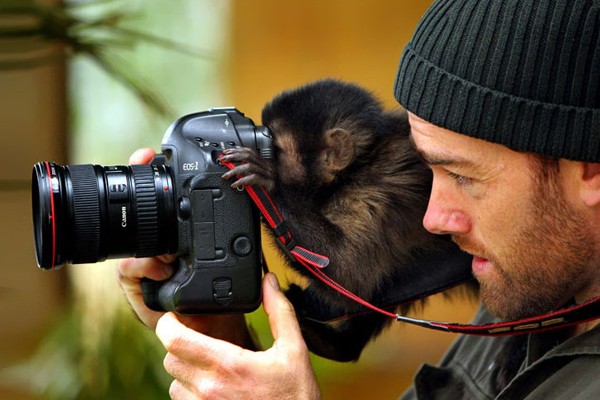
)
(350, 186)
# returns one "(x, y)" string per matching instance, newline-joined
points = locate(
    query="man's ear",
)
(339, 149)
(590, 184)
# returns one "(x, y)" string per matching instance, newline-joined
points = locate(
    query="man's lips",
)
(480, 265)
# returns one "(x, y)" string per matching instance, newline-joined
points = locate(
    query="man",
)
(504, 102)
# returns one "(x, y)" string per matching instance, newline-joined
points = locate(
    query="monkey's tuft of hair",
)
(314, 108)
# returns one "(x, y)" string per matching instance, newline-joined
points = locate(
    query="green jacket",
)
(553, 368)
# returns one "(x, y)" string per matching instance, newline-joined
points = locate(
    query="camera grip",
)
(168, 295)
(150, 291)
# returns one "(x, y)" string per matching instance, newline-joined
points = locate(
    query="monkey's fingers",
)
(261, 168)
(252, 179)
(242, 170)
(241, 154)
(248, 174)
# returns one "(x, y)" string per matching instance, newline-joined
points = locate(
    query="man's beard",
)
(542, 265)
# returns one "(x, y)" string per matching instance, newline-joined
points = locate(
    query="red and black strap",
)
(314, 262)
(587, 311)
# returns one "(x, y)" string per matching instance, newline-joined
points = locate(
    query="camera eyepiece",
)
(88, 213)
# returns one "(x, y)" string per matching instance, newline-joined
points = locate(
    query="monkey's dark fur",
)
(350, 186)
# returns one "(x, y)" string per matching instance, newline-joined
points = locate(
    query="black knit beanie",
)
(521, 73)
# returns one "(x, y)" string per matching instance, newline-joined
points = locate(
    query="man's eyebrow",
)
(441, 159)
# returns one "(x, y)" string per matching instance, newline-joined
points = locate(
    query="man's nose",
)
(443, 215)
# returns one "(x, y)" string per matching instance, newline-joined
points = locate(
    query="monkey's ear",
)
(339, 150)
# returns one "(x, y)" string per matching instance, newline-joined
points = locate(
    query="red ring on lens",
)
(52, 214)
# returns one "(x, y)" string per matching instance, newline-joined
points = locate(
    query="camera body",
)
(218, 228)
(177, 204)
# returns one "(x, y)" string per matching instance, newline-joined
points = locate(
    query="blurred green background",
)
(91, 81)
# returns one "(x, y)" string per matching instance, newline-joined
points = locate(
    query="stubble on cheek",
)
(497, 290)
(541, 265)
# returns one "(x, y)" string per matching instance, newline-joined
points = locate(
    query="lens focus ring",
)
(147, 210)
(86, 213)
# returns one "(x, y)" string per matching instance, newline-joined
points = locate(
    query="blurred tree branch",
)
(32, 34)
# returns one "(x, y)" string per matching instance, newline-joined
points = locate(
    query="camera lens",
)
(88, 213)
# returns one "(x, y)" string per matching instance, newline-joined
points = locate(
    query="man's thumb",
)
(280, 311)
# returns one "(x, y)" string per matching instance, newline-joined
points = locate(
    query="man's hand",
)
(231, 327)
(204, 367)
(130, 274)
(216, 362)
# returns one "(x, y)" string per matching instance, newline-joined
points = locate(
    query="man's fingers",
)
(178, 391)
(142, 156)
(167, 258)
(209, 368)
(192, 346)
(282, 317)
(179, 369)
(132, 269)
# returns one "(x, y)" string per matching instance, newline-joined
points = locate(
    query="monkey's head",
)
(321, 129)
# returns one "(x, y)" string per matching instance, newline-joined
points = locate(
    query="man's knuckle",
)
(168, 363)
(207, 389)
(174, 344)
(175, 390)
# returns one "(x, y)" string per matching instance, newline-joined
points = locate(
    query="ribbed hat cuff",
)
(451, 102)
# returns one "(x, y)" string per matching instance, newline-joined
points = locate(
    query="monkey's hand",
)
(253, 170)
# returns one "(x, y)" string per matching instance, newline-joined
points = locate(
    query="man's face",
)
(532, 246)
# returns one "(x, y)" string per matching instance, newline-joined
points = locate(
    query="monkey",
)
(350, 186)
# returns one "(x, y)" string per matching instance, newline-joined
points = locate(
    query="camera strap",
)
(314, 262)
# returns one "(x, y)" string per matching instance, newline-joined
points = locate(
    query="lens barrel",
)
(88, 213)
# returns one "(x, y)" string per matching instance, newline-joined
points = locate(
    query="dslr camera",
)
(177, 204)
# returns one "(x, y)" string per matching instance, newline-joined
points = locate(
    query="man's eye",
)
(461, 180)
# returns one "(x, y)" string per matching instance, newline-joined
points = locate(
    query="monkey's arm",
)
(340, 341)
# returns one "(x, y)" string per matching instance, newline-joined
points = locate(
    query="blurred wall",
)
(281, 44)
(32, 127)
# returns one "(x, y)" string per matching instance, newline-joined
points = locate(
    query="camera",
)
(177, 204)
